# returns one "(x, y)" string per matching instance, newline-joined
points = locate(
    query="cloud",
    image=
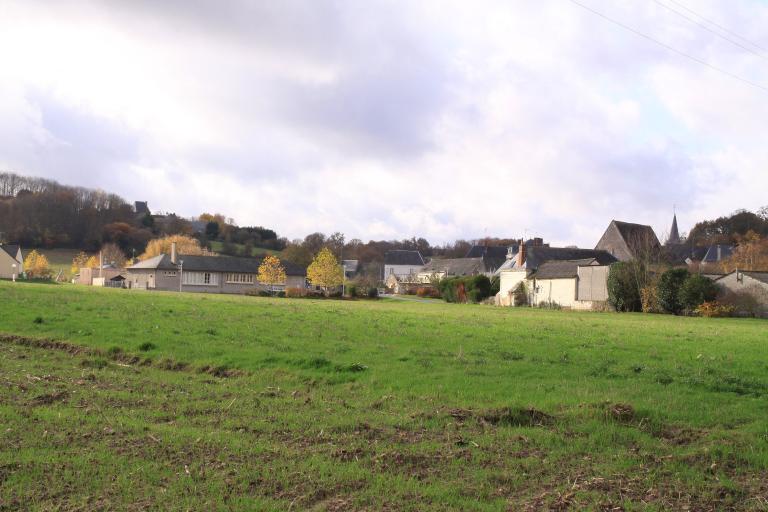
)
(389, 119)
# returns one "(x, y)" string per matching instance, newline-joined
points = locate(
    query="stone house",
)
(11, 261)
(206, 274)
(440, 268)
(627, 241)
(754, 285)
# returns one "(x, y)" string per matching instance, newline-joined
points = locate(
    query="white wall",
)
(401, 270)
(560, 291)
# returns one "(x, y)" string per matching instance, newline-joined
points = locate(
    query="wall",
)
(560, 291)
(749, 285)
(401, 270)
(6, 266)
(508, 281)
(165, 280)
(593, 283)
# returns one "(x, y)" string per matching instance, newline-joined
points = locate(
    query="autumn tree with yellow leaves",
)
(36, 266)
(325, 271)
(271, 272)
(184, 245)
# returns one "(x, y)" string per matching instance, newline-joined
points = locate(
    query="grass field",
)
(60, 260)
(116, 399)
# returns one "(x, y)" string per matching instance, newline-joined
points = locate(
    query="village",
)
(529, 272)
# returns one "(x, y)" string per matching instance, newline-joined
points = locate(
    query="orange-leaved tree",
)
(271, 272)
(184, 245)
(325, 271)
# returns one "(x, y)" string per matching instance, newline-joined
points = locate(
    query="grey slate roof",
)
(455, 266)
(717, 252)
(214, 264)
(676, 254)
(403, 257)
(562, 269)
(11, 249)
(535, 256)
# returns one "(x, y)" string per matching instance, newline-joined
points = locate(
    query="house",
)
(402, 263)
(496, 256)
(440, 268)
(567, 276)
(11, 261)
(576, 284)
(750, 285)
(627, 241)
(206, 274)
(350, 268)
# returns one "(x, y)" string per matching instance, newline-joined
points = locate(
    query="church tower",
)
(674, 234)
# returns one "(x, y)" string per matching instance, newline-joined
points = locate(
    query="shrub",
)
(697, 290)
(714, 309)
(428, 291)
(373, 292)
(745, 302)
(495, 285)
(475, 288)
(649, 298)
(147, 346)
(352, 290)
(295, 293)
(668, 289)
(623, 289)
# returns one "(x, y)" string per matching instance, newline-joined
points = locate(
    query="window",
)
(239, 278)
(200, 278)
(170, 273)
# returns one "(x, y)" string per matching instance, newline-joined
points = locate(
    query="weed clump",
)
(38, 320)
(97, 363)
(147, 346)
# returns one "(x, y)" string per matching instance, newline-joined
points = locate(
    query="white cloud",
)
(389, 120)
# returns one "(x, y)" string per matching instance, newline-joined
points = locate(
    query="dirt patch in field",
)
(49, 398)
(117, 356)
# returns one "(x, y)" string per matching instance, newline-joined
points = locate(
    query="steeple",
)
(674, 234)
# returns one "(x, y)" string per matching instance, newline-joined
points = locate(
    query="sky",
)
(391, 119)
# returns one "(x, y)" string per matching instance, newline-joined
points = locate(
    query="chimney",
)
(520, 254)
(173, 253)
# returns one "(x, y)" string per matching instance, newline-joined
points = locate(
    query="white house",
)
(11, 261)
(402, 264)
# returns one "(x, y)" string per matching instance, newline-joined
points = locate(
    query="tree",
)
(697, 290)
(212, 230)
(36, 266)
(750, 254)
(623, 289)
(271, 272)
(296, 253)
(111, 254)
(669, 287)
(78, 262)
(184, 245)
(325, 271)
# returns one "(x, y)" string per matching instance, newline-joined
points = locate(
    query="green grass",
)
(180, 401)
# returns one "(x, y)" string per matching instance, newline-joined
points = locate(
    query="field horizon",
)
(174, 400)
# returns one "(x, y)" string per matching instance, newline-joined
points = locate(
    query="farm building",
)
(11, 261)
(744, 284)
(627, 241)
(206, 274)
(569, 277)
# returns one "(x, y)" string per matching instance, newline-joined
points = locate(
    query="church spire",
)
(674, 234)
